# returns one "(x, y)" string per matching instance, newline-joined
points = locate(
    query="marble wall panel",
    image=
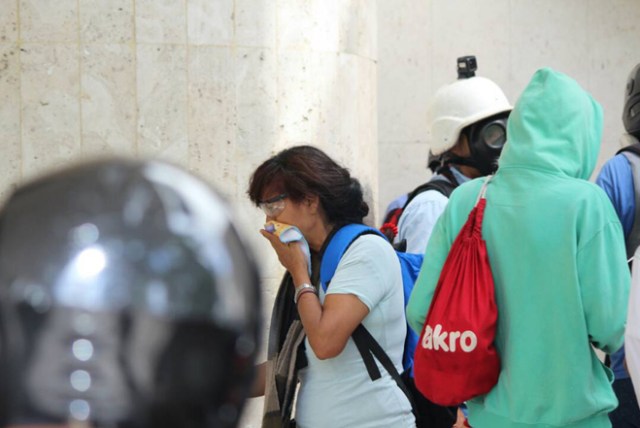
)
(304, 87)
(611, 26)
(310, 24)
(212, 116)
(404, 74)
(344, 117)
(256, 103)
(256, 126)
(402, 167)
(256, 23)
(358, 28)
(468, 27)
(556, 36)
(106, 21)
(160, 21)
(8, 21)
(365, 141)
(50, 21)
(50, 88)
(10, 165)
(350, 129)
(108, 100)
(163, 102)
(210, 22)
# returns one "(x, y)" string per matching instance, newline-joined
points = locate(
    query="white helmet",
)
(460, 104)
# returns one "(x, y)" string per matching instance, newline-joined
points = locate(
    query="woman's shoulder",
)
(372, 250)
(370, 243)
(369, 258)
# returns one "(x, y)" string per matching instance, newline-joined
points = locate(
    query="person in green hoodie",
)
(556, 250)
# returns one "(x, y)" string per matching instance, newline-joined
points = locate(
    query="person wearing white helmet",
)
(467, 119)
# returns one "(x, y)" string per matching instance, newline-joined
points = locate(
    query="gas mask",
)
(486, 140)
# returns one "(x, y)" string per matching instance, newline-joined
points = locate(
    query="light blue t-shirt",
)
(338, 392)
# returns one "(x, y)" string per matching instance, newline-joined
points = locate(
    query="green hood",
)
(567, 141)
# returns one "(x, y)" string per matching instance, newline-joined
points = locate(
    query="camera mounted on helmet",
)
(467, 66)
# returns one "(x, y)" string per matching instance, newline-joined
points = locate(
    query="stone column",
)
(214, 86)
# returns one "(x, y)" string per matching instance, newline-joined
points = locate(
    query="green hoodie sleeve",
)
(604, 284)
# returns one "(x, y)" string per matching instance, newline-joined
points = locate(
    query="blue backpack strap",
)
(336, 248)
(367, 345)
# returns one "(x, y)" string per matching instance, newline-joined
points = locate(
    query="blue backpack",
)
(409, 265)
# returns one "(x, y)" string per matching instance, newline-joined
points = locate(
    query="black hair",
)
(302, 171)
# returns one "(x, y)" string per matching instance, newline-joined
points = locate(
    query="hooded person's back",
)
(558, 259)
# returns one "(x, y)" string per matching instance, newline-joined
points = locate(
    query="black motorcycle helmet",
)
(631, 111)
(127, 299)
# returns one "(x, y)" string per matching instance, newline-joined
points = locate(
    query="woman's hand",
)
(327, 327)
(290, 256)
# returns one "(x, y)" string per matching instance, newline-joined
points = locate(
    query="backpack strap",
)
(632, 153)
(633, 148)
(443, 186)
(337, 246)
(369, 347)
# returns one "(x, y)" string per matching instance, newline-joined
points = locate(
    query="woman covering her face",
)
(303, 187)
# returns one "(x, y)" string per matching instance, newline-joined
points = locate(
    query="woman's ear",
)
(313, 202)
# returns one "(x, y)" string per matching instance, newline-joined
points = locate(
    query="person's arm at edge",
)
(434, 258)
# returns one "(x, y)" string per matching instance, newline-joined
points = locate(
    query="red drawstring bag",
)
(455, 359)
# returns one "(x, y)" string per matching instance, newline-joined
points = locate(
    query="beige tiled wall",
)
(594, 41)
(213, 86)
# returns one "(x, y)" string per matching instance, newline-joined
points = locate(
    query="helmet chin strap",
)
(483, 168)
(459, 160)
